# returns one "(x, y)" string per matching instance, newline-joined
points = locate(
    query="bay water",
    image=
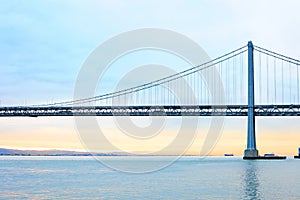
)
(52, 177)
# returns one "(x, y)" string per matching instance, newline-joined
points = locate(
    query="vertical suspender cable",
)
(198, 85)
(175, 91)
(213, 79)
(191, 88)
(222, 79)
(267, 61)
(151, 95)
(241, 79)
(135, 97)
(282, 84)
(234, 79)
(168, 93)
(159, 94)
(203, 92)
(227, 83)
(179, 92)
(163, 91)
(188, 89)
(185, 87)
(275, 80)
(205, 87)
(184, 80)
(290, 82)
(233, 82)
(124, 99)
(201, 88)
(163, 94)
(194, 88)
(219, 86)
(205, 83)
(172, 92)
(208, 84)
(138, 97)
(297, 84)
(182, 91)
(259, 75)
(144, 97)
(156, 94)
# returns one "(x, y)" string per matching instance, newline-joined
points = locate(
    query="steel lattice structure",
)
(219, 110)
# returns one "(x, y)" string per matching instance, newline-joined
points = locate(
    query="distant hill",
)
(5, 151)
(16, 152)
(54, 152)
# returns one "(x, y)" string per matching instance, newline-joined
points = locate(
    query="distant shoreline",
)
(53, 152)
(104, 155)
(16, 152)
(62, 155)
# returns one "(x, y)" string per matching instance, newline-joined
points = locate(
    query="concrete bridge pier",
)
(251, 150)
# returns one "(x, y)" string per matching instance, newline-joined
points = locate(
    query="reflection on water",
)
(187, 178)
(251, 182)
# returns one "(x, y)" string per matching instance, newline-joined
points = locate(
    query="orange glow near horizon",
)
(45, 133)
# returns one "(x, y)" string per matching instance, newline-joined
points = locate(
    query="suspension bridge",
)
(249, 81)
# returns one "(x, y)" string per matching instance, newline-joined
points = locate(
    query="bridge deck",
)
(228, 110)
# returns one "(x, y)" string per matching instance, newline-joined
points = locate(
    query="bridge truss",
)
(218, 110)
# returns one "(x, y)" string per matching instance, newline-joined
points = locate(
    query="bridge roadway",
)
(201, 110)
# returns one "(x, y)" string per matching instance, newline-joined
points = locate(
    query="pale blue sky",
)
(44, 43)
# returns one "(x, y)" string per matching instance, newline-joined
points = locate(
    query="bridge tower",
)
(251, 150)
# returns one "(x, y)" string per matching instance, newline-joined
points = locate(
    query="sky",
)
(43, 45)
